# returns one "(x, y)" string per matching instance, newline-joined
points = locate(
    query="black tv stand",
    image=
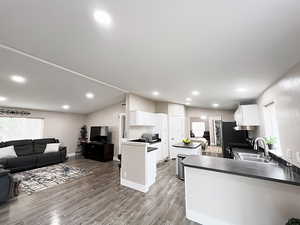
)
(98, 151)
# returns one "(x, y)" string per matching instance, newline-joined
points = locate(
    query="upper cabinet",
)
(247, 115)
(140, 118)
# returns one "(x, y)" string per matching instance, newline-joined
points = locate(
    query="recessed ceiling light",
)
(2, 99)
(187, 103)
(103, 18)
(89, 95)
(188, 99)
(215, 105)
(66, 107)
(195, 93)
(155, 93)
(18, 79)
(241, 89)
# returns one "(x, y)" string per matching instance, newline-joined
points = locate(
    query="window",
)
(271, 124)
(198, 128)
(20, 128)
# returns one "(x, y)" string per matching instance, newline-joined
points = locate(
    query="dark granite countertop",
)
(263, 171)
(144, 141)
(191, 145)
(154, 142)
(150, 149)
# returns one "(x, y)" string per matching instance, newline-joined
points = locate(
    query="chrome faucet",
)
(266, 149)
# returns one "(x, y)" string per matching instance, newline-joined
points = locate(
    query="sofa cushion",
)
(3, 162)
(48, 158)
(39, 145)
(63, 153)
(4, 186)
(7, 152)
(52, 147)
(21, 163)
(22, 147)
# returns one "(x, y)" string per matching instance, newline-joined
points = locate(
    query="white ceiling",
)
(170, 46)
(48, 88)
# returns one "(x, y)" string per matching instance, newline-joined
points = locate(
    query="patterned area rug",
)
(46, 177)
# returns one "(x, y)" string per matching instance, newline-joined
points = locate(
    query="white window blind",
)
(12, 128)
(198, 128)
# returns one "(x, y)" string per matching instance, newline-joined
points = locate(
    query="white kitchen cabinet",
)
(151, 164)
(157, 145)
(176, 133)
(140, 118)
(161, 128)
(247, 115)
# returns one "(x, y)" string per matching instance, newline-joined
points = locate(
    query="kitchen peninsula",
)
(138, 168)
(232, 192)
(194, 148)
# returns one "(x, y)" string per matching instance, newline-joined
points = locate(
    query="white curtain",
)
(12, 128)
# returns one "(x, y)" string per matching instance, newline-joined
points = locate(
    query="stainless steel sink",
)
(249, 155)
(254, 158)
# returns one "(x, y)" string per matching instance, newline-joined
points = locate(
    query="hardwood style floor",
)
(98, 199)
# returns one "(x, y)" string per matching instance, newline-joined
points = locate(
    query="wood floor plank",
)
(99, 199)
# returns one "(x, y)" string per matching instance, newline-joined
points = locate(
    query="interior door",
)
(165, 137)
(176, 129)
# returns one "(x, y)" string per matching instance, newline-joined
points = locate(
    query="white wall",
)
(196, 112)
(63, 126)
(161, 107)
(137, 103)
(176, 109)
(107, 117)
(226, 115)
(286, 94)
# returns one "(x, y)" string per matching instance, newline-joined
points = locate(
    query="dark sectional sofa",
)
(31, 155)
(5, 182)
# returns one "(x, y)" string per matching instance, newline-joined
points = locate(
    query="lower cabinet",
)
(151, 167)
(174, 151)
(158, 151)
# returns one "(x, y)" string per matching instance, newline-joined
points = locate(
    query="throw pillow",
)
(53, 147)
(8, 152)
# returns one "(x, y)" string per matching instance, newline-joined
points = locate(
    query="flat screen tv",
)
(99, 134)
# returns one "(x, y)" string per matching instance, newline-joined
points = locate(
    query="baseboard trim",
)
(71, 154)
(135, 186)
(203, 219)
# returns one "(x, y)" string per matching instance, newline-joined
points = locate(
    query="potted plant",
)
(293, 221)
(270, 141)
(82, 136)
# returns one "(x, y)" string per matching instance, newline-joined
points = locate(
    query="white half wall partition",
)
(214, 198)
